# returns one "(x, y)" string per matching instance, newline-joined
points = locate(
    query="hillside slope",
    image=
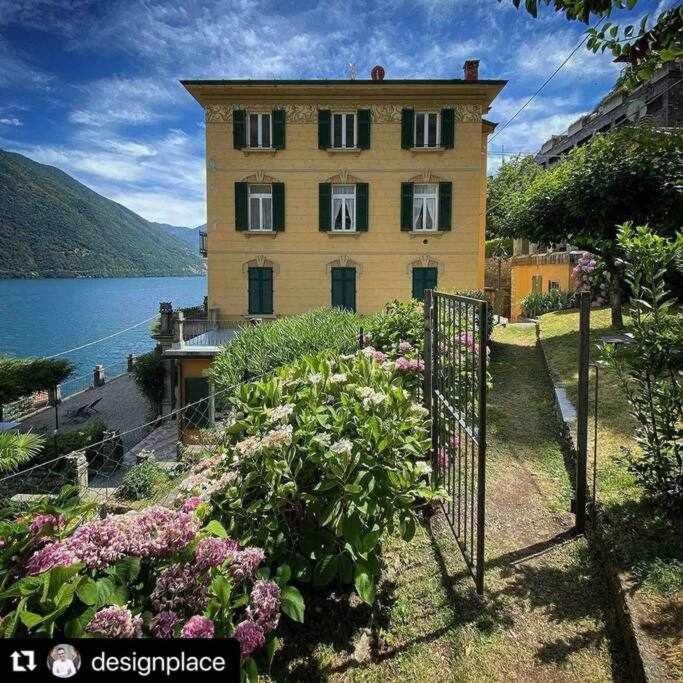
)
(53, 226)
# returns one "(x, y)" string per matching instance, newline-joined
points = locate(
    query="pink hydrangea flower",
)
(409, 365)
(179, 588)
(250, 637)
(265, 598)
(115, 622)
(41, 521)
(212, 552)
(246, 562)
(191, 504)
(405, 347)
(52, 555)
(164, 623)
(198, 627)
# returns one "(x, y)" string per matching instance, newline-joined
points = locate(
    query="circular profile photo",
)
(64, 661)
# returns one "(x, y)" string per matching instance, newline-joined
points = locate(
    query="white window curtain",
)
(343, 208)
(343, 130)
(260, 130)
(427, 129)
(260, 207)
(425, 207)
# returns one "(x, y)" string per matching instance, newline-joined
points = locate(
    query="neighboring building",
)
(657, 102)
(340, 193)
(541, 272)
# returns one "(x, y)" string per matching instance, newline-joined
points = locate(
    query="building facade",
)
(342, 193)
(658, 102)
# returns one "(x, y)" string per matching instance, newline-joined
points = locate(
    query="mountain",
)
(188, 235)
(53, 226)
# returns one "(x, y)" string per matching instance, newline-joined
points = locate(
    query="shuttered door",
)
(423, 279)
(344, 288)
(196, 397)
(260, 291)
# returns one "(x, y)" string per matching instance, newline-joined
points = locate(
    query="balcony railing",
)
(202, 243)
(203, 332)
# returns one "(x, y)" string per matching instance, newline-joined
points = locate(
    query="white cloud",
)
(11, 121)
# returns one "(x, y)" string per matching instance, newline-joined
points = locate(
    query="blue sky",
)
(91, 86)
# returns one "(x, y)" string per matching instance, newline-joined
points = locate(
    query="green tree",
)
(644, 47)
(630, 174)
(504, 189)
(24, 376)
(18, 449)
(149, 375)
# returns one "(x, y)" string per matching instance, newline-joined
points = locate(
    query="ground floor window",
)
(344, 288)
(260, 291)
(423, 279)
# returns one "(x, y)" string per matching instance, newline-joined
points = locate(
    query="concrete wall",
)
(301, 256)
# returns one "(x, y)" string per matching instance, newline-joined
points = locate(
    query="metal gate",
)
(455, 355)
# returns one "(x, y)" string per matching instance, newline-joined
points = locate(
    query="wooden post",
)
(582, 411)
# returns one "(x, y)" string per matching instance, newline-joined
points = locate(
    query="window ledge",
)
(261, 233)
(432, 150)
(344, 150)
(259, 150)
(427, 233)
(344, 233)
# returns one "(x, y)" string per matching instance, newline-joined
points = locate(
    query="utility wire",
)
(97, 341)
(547, 80)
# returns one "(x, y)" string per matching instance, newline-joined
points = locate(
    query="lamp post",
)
(54, 395)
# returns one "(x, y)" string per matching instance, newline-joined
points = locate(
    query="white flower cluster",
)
(341, 447)
(315, 378)
(370, 397)
(281, 413)
(338, 378)
(276, 438)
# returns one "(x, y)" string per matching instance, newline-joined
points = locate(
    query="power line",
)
(97, 341)
(547, 80)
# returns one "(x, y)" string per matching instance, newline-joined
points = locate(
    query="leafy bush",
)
(649, 368)
(78, 440)
(537, 303)
(320, 462)
(154, 573)
(23, 376)
(481, 295)
(399, 321)
(260, 349)
(141, 481)
(499, 247)
(149, 375)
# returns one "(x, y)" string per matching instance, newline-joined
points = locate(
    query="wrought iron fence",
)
(456, 336)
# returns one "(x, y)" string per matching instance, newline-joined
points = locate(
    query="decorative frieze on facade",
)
(427, 177)
(259, 176)
(344, 261)
(425, 261)
(260, 261)
(308, 113)
(343, 177)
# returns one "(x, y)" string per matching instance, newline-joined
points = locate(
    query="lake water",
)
(45, 317)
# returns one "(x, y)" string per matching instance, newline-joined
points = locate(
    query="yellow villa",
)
(342, 193)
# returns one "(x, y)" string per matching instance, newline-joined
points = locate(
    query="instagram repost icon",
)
(64, 661)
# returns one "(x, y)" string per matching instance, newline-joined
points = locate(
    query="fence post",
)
(582, 411)
(98, 376)
(427, 353)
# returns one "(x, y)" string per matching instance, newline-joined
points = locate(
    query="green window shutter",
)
(324, 128)
(260, 291)
(447, 128)
(406, 207)
(364, 118)
(423, 279)
(197, 389)
(279, 129)
(362, 206)
(408, 128)
(344, 288)
(241, 206)
(239, 128)
(325, 206)
(445, 204)
(278, 206)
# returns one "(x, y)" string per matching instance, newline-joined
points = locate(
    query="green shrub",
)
(399, 321)
(536, 304)
(322, 460)
(262, 348)
(499, 246)
(481, 295)
(648, 369)
(141, 481)
(149, 376)
(23, 376)
(78, 440)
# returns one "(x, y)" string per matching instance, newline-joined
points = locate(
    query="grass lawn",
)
(646, 543)
(544, 616)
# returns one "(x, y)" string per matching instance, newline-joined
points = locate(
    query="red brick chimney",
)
(472, 70)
